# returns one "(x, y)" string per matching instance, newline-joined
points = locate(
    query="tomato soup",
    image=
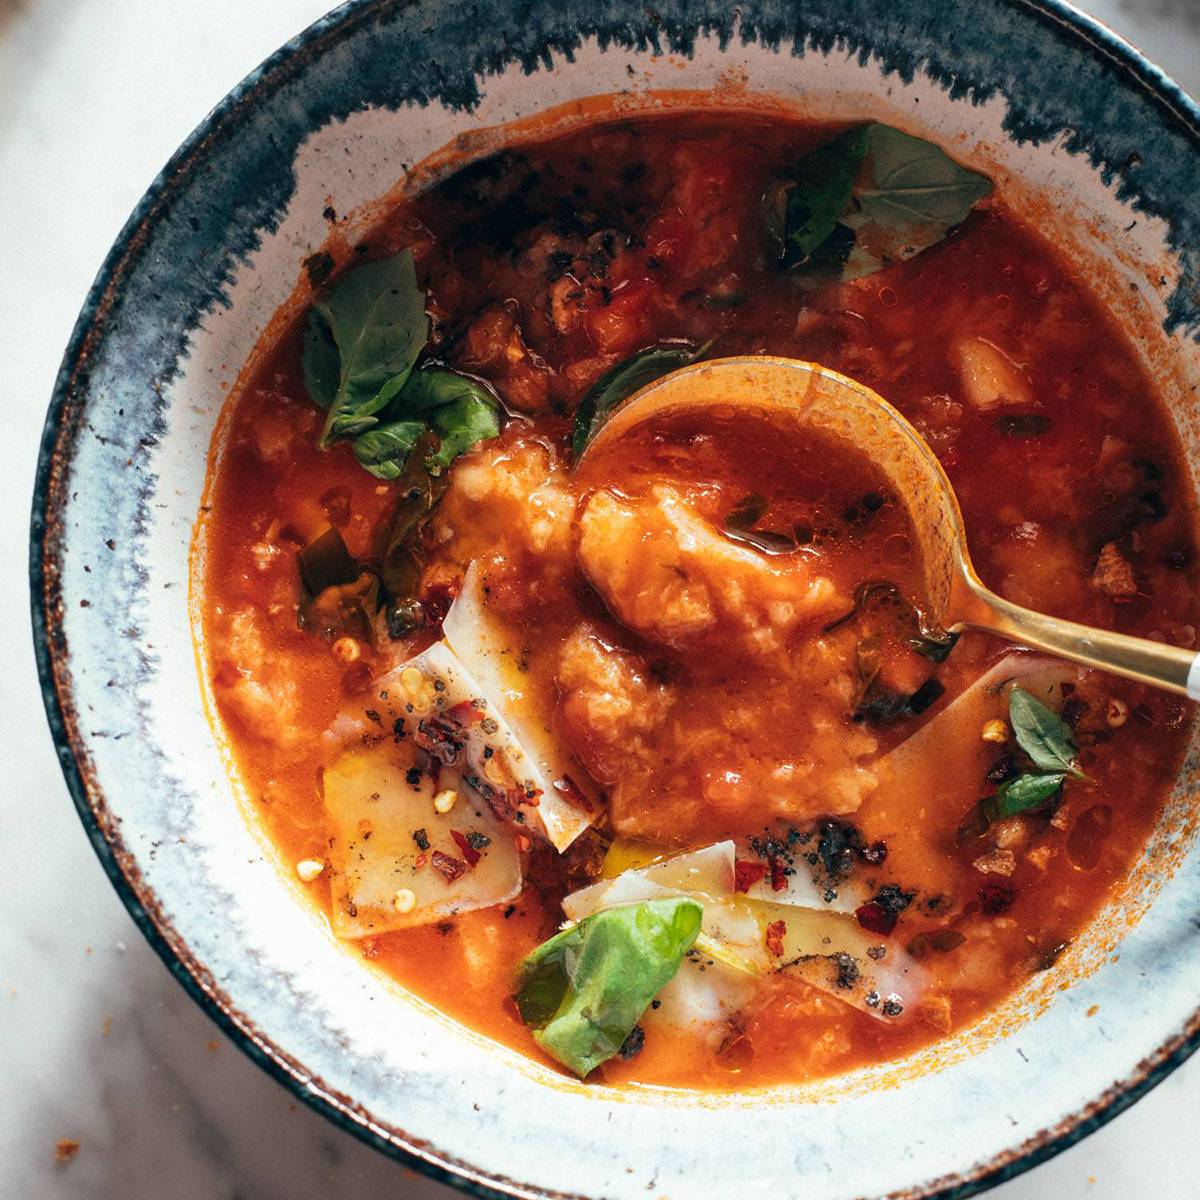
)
(647, 762)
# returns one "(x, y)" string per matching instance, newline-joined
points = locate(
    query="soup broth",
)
(692, 675)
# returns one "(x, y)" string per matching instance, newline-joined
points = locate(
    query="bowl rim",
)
(118, 864)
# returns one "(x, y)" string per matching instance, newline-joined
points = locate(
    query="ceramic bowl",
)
(1088, 138)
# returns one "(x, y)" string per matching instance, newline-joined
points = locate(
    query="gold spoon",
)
(814, 397)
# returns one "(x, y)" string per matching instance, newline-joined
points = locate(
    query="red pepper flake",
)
(65, 1149)
(465, 848)
(747, 874)
(523, 843)
(464, 712)
(778, 874)
(774, 937)
(569, 791)
(449, 868)
(439, 738)
(420, 861)
(437, 598)
(875, 918)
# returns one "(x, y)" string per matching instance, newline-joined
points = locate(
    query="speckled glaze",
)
(1074, 125)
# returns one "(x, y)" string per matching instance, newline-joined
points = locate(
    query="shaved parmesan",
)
(804, 888)
(942, 767)
(700, 996)
(482, 648)
(396, 860)
(828, 949)
(706, 874)
(953, 736)
(705, 991)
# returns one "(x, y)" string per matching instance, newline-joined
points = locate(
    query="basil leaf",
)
(622, 381)
(462, 424)
(904, 196)
(337, 596)
(320, 358)
(461, 409)
(326, 562)
(746, 513)
(804, 210)
(584, 990)
(935, 648)
(908, 196)
(384, 450)
(863, 595)
(401, 552)
(1026, 792)
(881, 705)
(769, 541)
(1042, 734)
(740, 527)
(376, 317)
(431, 387)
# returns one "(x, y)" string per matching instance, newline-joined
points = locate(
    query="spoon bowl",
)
(811, 397)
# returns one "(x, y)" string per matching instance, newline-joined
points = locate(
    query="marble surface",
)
(98, 1044)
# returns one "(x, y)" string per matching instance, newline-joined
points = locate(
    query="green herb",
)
(740, 527)
(936, 648)
(401, 550)
(881, 705)
(1048, 741)
(863, 594)
(467, 413)
(1025, 792)
(622, 381)
(870, 197)
(373, 323)
(384, 451)
(804, 209)
(359, 350)
(360, 346)
(433, 387)
(584, 990)
(337, 595)
(326, 562)
(320, 359)
(926, 640)
(1043, 734)
(747, 512)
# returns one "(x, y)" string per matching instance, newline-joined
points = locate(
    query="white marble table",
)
(97, 1042)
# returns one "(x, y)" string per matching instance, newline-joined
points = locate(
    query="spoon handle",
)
(1156, 663)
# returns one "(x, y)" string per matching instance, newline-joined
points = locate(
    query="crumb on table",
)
(65, 1149)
